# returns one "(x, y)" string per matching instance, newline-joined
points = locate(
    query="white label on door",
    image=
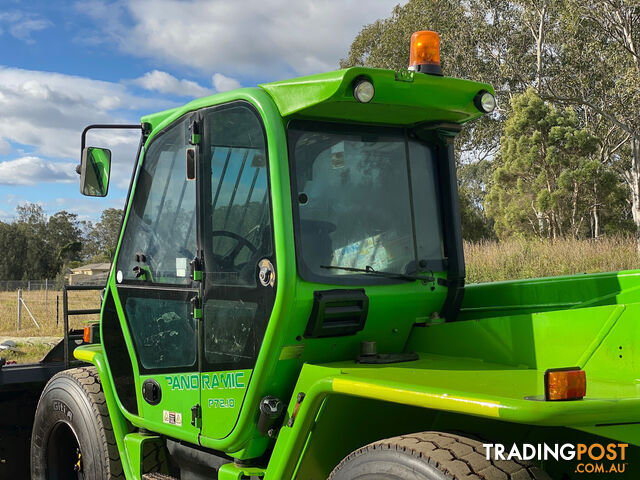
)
(181, 267)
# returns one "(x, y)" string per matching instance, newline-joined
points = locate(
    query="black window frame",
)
(355, 279)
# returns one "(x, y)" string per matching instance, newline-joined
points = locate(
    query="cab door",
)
(238, 255)
(154, 285)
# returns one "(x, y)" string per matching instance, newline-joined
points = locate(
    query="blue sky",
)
(65, 64)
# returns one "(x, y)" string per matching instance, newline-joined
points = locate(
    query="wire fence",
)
(52, 284)
(28, 285)
(34, 307)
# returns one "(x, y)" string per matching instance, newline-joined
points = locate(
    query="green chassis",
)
(480, 374)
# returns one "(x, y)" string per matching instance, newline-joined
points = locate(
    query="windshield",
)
(364, 198)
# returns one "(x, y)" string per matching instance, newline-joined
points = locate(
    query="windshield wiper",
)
(369, 270)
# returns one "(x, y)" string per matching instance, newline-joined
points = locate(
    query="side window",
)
(240, 217)
(158, 244)
(426, 204)
(162, 222)
(163, 331)
(237, 237)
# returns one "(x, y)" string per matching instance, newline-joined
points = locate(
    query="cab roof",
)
(401, 98)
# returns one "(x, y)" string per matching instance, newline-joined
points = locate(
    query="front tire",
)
(72, 436)
(430, 456)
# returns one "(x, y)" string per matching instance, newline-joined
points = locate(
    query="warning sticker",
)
(172, 418)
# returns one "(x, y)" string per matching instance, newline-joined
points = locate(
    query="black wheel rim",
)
(64, 457)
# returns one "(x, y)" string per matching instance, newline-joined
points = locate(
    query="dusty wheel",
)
(72, 435)
(430, 456)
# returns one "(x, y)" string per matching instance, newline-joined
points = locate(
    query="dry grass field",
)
(532, 258)
(43, 308)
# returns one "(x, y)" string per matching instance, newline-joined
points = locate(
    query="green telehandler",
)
(287, 300)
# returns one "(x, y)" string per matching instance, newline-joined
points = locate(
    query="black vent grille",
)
(337, 312)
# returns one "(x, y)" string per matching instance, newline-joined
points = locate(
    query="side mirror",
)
(94, 171)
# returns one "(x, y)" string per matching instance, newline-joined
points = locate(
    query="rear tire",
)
(72, 434)
(430, 456)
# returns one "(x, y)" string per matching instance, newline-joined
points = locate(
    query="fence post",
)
(65, 321)
(46, 292)
(19, 307)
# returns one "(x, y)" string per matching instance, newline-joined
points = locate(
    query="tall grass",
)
(491, 261)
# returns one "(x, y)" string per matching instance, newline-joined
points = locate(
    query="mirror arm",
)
(83, 140)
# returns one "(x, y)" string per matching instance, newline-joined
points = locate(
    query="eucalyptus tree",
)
(599, 72)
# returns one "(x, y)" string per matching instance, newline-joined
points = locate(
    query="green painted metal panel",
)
(424, 98)
(536, 340)
(552, 293)
(172, 416)
(222, 394)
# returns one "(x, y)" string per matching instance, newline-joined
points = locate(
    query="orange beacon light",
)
(425, 53)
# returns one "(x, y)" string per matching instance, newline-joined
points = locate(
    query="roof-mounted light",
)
(484, 101)
(425, 53)
(363, 90)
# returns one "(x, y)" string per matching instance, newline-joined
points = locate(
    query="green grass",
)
(26, 352)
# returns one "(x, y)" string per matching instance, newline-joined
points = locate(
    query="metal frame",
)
(66, 312)
(122, 126)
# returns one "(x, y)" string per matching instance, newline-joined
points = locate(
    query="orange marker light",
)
(91, 333)
(425, 52)
(87, 334)
(565, 384)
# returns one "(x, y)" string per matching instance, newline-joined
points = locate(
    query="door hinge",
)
(196, 415)
(196, 269)
(196, 307)
(195, 133)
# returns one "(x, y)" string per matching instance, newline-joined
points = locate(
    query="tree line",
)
(35, 246)
(560, 157)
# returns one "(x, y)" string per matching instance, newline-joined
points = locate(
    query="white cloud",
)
(223, 83)
(48, 111)
(32, 170)
(22, 24)
(274, 39)
(164, 82)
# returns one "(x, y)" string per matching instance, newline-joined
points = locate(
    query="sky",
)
(65, 64)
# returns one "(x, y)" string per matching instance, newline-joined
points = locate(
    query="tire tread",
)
(458, 457)
(89, 381)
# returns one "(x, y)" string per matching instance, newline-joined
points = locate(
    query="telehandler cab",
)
(287, 300)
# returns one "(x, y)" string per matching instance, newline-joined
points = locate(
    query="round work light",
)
(485, 102)
(363, 90)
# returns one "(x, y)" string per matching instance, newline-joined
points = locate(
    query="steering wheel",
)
(226, 262)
